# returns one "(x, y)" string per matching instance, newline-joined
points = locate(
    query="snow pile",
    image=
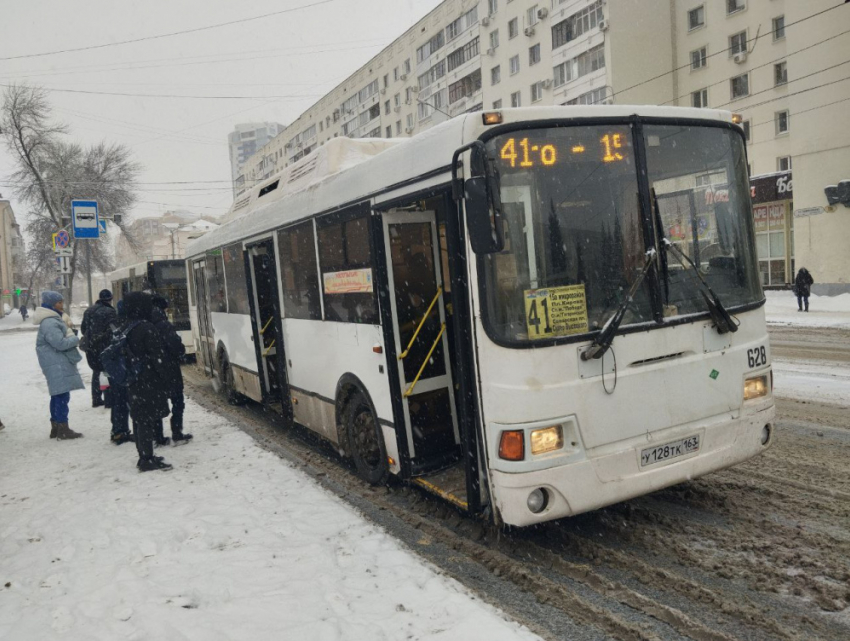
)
(824, 311)
(233, 544)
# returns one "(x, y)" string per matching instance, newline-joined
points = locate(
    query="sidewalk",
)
(231, 544)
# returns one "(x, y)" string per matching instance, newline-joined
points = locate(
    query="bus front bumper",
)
(611, 477)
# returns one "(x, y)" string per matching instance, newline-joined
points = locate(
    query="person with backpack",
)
(119, 414)
(95, 327)
(803, 288)
(147, 387)
(174, 351)
(56, 348)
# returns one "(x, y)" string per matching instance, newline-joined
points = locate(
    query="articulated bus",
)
(532, 313)
(166, 278)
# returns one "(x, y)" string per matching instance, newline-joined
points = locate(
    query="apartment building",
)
(161, 237)
(777, 62)
(11, 257)
(244, 142)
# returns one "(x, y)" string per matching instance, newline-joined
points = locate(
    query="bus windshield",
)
(575, 230)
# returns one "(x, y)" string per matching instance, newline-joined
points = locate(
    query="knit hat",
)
(49, 298)
(105, 295)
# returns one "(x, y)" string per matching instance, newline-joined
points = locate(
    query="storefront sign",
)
(354, 281)
(767, 189)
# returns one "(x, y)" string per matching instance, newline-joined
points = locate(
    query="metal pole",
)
(88, 264)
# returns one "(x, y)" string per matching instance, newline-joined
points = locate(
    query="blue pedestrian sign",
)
(84, 218)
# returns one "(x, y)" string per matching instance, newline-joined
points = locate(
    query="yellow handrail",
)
(266, 353)
(425, 362)
(263, 331)
(421, 323)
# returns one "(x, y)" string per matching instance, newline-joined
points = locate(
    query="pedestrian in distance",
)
(119, 413)
(24, 312)
(174, 352)
(95, 327)
(803, 288)
(148, 391)
(56, 348)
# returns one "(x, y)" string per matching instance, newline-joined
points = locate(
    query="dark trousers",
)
(145, 435)
(178, 405)
(59, 407)
(120, 410)
(803, 300)
(95, 387)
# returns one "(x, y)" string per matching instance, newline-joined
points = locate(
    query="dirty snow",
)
(812, 381)
(232, 544)
(824, 311)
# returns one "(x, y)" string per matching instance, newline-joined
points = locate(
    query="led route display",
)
(525, 153)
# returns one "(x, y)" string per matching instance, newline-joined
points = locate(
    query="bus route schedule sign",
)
(555, 311)
(354, 281)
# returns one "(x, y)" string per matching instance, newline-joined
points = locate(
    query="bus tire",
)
(366, 441)
(225, 377)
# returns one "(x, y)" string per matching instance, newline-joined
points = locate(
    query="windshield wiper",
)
(603, 340)
(723, 321)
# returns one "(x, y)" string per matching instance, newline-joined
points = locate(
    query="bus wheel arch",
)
(359, 430)
(224, 375)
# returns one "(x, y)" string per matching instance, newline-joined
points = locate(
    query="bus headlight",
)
(755, 387)
(547, 440)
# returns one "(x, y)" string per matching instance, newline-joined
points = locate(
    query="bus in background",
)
(532, 313)
(164, 277)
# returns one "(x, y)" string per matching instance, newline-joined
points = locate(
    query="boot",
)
(65, 433)
(162, 442)
(123, 437)
(180, 438)
(153, 463)
(54, 429)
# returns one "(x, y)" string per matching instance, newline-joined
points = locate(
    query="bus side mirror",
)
(483, 217)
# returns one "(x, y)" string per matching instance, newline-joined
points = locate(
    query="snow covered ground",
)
(824, 311)
(232, 544)
(13, 321)
(813, 381)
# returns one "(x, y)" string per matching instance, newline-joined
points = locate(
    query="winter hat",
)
(138, 305)
(160, 301)
(49, 298)
(105, 295)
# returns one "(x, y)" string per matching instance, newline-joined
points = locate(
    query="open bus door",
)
(261, 270)
(206, 348)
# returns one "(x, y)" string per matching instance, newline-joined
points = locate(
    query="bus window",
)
(215, 282)
(234, 272)
(347, 274)
(299, 272)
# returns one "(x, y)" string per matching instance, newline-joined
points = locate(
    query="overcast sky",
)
(295, 57)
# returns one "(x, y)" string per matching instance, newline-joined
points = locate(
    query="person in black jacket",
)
(120, 411)
(96, 329)
(803, 288)
(148, 393)
(174, 351)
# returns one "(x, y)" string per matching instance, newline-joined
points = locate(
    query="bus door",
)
(206, 348)
(421, 343)
(266, 324)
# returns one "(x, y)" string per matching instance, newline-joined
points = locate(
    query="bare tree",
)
(51, 172)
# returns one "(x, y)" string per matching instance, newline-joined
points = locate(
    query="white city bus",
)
(532, 313)
(164, 277)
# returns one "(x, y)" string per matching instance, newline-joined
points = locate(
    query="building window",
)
(494, 39)
(536, 92)
(459, 56)
(390, 131)
(516, 99)
(584, 63)
(387, 107)
(740, 86)
(407, 67)
(513, 29)
(497, 104)
(514, 64)
(534, 55)
(299, 272)
(734, 6)
(783, 163)
(464, 87)
(345, 247)
(595, 97)
(696, 18)
(738, 43)
(434, 44)
(432, 75)
(779, 28)
(746, 127)
(699, 58)
(395, 74)
(386, 80)
(463, 23)
(410, 121)
(397, 100)
(496, 75)
(492, 7)
(577, 24)
(531, 16)
(398, 127)
(700, 98)
(780, 73)
(783, 122)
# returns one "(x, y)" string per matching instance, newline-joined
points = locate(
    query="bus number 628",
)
(757, 357)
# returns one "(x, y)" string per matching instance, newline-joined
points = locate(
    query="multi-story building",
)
(776, 62)
(244, 142)
(11, 257)
(161, 237)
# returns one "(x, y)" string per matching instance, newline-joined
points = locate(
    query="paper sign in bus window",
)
(352, 281)
(555, 311)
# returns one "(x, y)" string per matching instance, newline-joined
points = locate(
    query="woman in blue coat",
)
(56, 347)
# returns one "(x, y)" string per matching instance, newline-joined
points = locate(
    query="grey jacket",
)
(57, 352)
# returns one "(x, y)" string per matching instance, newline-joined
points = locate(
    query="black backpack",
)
(118, 361)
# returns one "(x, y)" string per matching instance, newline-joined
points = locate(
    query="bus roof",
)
(426, 154)
(141, 269)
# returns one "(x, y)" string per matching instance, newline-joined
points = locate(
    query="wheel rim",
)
(366, 438)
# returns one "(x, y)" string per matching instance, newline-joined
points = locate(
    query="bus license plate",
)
(653, 455)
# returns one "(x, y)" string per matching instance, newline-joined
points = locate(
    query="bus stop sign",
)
(85, 219)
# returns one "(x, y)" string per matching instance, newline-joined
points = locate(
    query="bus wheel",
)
(366, 442)
(225, 377)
